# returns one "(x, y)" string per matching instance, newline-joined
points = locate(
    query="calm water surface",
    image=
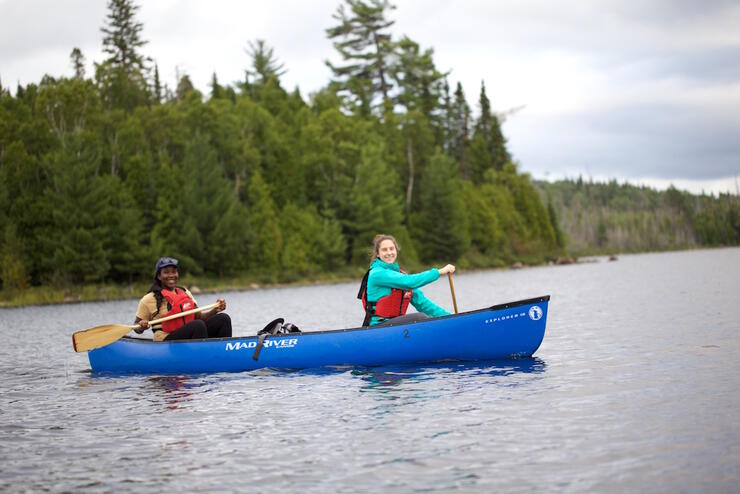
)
(636, 388)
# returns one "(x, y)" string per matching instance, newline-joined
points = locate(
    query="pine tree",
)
(375, 203)
(175, 232)
(78, 63)
(418, 143)
(484, 226)
(364, 43)
(217, 91)
(184, 87)
(460, 129)
(266, 240)
(419, 82)
(552, 215)
(478, 158)
(122, 76)
(157, 86)
(487, 133)
(122, 37)
(206, 197)
(74, 233)
(264, 63)
(490, 128)
(311, 243)
(229, 249)
(441, 225)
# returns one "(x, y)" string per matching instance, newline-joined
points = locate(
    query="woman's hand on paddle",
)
(449, 269)
(143, 326)
(219, 308)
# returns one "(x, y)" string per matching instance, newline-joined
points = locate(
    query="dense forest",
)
(102, 174)
(610, 218)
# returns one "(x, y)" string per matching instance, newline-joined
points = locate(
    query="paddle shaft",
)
(179, 314)
(452, 290)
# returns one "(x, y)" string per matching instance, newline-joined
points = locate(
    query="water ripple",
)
(635, 389)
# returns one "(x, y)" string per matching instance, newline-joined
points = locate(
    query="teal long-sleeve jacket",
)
(383, 277)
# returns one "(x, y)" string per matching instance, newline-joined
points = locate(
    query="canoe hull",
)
(503, 331)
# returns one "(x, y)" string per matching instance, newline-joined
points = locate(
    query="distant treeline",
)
(612, 217)
(101, 175)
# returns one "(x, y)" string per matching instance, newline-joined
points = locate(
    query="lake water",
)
(636, 388)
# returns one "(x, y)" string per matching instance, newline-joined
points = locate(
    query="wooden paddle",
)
(106, 334)
(452, 290)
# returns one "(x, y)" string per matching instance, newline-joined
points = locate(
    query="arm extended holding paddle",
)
(106, 334)
(219, 306)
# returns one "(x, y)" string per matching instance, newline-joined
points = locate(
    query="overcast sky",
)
(644, 91)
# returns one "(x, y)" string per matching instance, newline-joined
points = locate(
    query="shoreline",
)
(42, 296)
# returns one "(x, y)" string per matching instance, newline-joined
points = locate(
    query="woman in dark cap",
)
(166, 298)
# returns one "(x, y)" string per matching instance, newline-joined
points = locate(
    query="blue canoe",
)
(509, 330)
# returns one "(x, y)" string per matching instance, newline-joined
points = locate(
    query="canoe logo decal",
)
(535, 313)
(246, 345)
(504, 318)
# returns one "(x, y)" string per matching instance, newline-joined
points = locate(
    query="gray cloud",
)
(659, 141)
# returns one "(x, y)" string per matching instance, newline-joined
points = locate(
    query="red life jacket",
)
(177, 301)
(393, 305)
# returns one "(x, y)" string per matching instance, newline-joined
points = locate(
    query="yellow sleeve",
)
(147, 307)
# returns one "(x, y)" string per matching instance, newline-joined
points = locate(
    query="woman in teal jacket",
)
(386, 292)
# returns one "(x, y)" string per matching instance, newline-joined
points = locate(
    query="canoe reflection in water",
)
(389, 377)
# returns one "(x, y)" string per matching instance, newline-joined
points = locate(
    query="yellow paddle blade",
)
(99, 336)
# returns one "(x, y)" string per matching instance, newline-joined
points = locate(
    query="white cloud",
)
(611, 88)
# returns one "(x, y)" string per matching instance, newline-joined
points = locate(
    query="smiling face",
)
(387, 251)
(168, 277)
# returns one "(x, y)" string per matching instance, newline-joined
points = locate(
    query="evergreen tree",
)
(264, 63)
(157, 86)
(478, 158)
(122, 37)
(175, 232)
(129, 255)
(460, 129)
(374, 202)
(122, 76)
(364, 44)
(555, 224)
(229, 250)
(330, 149)
(419, 82)
(487, 236)
(445, 134)
(184, 87)
(418, 144)
(311, 243)
(489, 127)
(78, 63)
(73, 235)
(481, 151)
(266, 240)
(206, 198)
(441, 224)
(217, 91)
